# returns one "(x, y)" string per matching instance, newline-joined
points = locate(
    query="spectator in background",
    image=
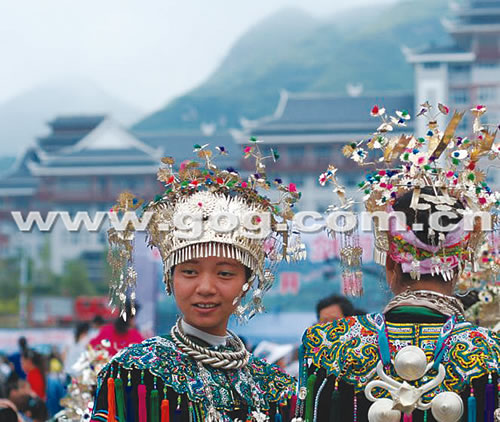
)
(77, 347)
(96, 325)
(33, 365)
(15, 358)
(6, 369)
(333, 307)
(119, 334)
(8, 411)
(55, 361)
(56, 381)
(30, 408)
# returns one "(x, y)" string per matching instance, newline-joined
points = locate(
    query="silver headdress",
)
(441, 162)
(205, 211)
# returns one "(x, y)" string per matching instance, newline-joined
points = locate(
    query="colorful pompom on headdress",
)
(442, 170)
(206, 211)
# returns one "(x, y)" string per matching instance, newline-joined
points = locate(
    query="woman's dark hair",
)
(23, 343)
(34, 406)
(344, 303)
(35, 357)
(425, 235)
(8, 414)
(81, 328)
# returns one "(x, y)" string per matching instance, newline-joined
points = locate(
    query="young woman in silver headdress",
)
(201, 371)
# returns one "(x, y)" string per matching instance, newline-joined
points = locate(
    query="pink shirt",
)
(118, 341)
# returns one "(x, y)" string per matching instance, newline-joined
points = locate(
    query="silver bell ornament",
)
(410, 363)
(447, 407)
(382, 411)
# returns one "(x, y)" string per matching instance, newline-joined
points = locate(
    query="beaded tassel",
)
(355, 408)
(165, 407)
(199, 413)
(277, 416)
(335, 404)
(316, 401)
(120, 399)
(407, 417)
(425, 416)
(498, 398)
(192, 416)
(130, 400)
(302, 393)
(141, 395)
(471, 406)
(490, 400)
(293, 404)
(111, 400)
(178, 411)
(155, 404)
(310, 398)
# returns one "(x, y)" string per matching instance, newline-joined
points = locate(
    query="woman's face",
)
(205, 289)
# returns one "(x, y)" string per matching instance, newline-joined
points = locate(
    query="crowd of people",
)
(33, 383)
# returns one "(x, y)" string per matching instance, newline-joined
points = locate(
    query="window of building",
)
(296, 153)
(459, 96)
(432, 65)
(487, 93)
(124, 183)
(487, 65)
(322, 152)
(458, 68)
(298, 179)
(463, 125)
(72, 184)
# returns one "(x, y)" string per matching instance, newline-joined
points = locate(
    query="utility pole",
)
(23, 282)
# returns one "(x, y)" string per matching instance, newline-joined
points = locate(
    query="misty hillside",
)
(24, 117)
(294, 51)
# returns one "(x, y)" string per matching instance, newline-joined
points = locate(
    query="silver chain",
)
(447, 305)
(214, 358)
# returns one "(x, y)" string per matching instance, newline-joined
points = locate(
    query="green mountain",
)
(294, 51)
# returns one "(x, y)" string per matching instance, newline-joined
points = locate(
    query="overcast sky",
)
(143, 51)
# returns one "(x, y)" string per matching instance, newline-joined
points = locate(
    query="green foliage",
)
(75, 281)
(293, 51)
(9, 278)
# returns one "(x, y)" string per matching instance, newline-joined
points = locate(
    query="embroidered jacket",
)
(346, 351)
(168, 373)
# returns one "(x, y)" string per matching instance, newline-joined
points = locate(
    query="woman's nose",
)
(206, 286)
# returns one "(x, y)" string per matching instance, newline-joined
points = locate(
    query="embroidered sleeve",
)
(348, 341)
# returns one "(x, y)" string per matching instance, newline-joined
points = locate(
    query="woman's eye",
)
(188, 272)
(226, 274)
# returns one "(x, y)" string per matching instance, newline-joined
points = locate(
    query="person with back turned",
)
(419, 359)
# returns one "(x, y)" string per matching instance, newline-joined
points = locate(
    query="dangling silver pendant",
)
(258, 416)
(497, 415)
(213, 415)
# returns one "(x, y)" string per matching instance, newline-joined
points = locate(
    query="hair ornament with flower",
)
(199, 187)
(439, 160)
